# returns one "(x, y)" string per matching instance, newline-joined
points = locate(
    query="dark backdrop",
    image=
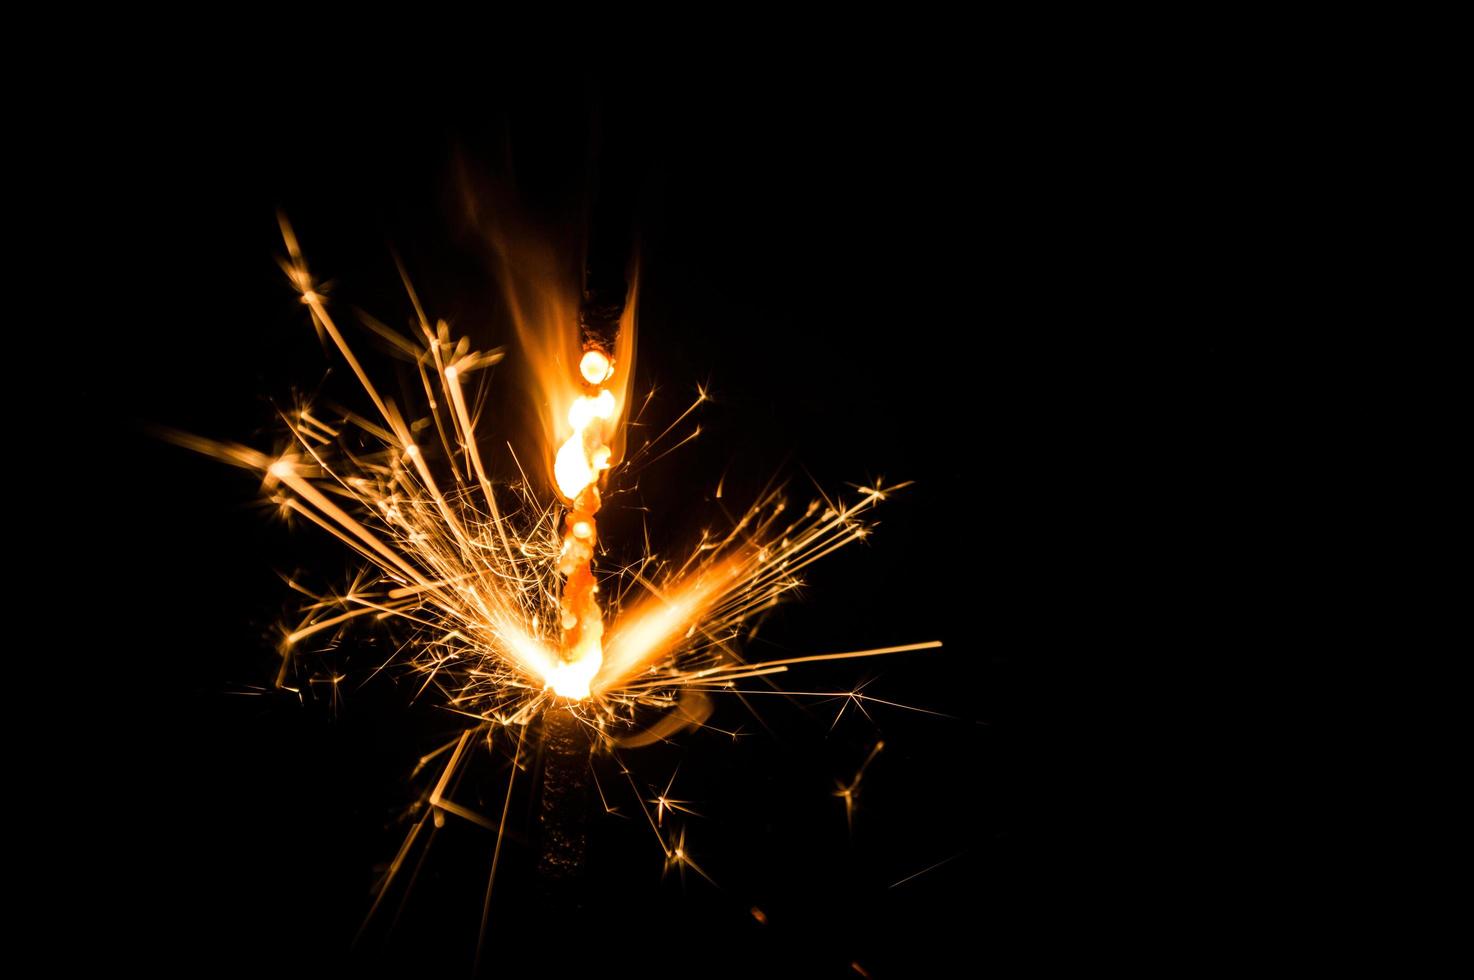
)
(876, 278)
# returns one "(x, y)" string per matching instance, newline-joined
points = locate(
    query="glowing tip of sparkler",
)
(451, 372)
(583, 529)
(411, 450)
(595, 367)
(309, 297)
(572, 680)
(280, 469)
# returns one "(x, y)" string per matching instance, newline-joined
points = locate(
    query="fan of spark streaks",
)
(464, 573)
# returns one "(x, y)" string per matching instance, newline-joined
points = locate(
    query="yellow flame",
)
(584, 454)
(571, 679)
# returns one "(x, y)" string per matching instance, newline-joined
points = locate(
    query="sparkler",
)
(494, 599)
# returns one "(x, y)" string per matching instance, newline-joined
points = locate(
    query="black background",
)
(903, 277)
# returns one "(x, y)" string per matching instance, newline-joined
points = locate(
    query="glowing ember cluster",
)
(581, 461)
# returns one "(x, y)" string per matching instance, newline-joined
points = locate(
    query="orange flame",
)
(542, 298)
(581, 392)
(580, 462)
(660, 621)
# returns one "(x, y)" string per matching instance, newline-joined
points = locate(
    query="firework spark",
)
(492, 600)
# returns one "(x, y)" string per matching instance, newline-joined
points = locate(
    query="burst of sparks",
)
(471, 578)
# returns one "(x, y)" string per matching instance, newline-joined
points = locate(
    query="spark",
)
(854, 697)
(496, 857)
(850, 792)
(664, 801)
(678, 857)
(927, 869)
